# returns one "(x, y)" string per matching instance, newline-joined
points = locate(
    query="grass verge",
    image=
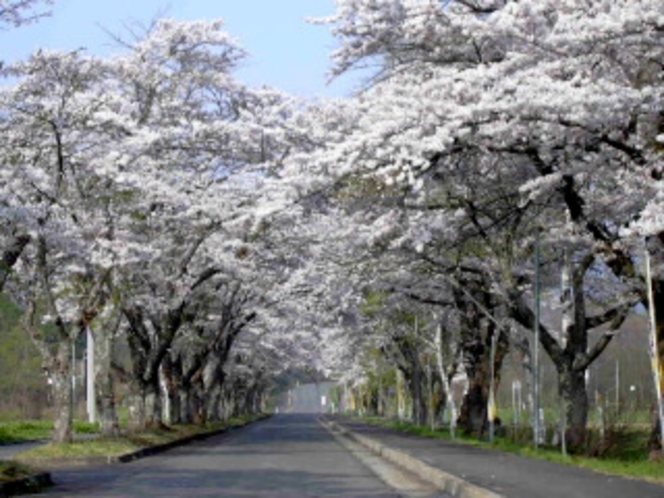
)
(33, 430)
(627, 457)
(29, 430)
(128, 443)
(11, 471)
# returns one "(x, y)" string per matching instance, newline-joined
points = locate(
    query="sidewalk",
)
(8, 451)
(508, 475)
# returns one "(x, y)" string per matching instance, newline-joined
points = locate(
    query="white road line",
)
(405, 483)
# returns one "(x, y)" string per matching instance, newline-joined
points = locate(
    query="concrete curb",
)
(30, 484)
(43, 480)
(445, 482)
(124, 458)
(134, 455)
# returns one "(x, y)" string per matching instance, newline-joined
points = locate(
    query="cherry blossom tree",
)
(565, 90)
(50, 138)
(13, 238)
(133, 175)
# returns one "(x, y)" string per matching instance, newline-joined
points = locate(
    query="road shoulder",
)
(495, 472)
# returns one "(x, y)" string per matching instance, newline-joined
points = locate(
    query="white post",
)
(90, 377)
(654, 350)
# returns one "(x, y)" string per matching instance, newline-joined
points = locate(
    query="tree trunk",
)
(214, 402)
(61, 375)
(58, 363)
(145, 408)
(477, 331)
(105, 384)
(574, 396)
(184, 404)
(447, 396)
(198, 401)
(137, 415)
(473, 415)
(170, 379)
(405, 352)
(415, 379)
(110, 426)
(153, 407)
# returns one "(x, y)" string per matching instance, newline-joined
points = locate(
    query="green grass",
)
(82, 427)
(10, 471)
(31, 430)
(81, 449)
(111, 447)
(626, 453)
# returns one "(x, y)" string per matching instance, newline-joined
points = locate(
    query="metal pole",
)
(492, 387)
(536, 365)
(617, 386)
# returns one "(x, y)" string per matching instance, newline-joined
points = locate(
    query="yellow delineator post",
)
(656, 350)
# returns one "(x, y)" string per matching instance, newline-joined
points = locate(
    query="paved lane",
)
(8, 451)
(285, 456)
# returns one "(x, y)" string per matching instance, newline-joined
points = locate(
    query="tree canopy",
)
(226, 234)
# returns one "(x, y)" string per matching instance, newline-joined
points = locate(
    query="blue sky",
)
(286, 52)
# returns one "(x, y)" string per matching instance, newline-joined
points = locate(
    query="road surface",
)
(288, 455)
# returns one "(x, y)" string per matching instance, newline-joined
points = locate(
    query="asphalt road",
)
(288, 455)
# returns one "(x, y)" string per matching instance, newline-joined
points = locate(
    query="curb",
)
(448, 483)
(26, 485)
(43, 480)
(125, 457)
(134, 455)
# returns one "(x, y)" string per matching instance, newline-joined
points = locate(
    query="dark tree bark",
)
(477, 335)
(10, 254)
(149, 338)
(406, 354)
